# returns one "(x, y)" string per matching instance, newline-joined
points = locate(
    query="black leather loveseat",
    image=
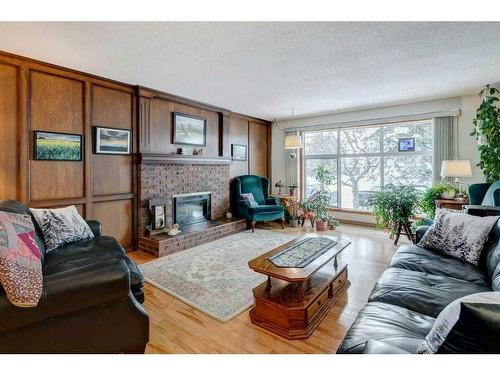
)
(411, 293)
(91, 301)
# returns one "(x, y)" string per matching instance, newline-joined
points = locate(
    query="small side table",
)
(451, 204)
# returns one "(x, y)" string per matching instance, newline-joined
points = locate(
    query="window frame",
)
(382, 155)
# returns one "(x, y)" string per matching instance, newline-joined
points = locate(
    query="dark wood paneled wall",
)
(40, 96)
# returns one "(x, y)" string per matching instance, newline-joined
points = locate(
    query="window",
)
(364, 159)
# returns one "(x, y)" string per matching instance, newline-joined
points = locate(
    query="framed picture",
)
(406, 144)
(158, 221)
(239, 152)
(112, 141)
(57, 146)
(189, 130)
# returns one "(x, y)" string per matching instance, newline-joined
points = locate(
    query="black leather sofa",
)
(411, 293)
(91, 302)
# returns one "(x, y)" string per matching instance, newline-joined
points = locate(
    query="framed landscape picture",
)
(239, 152)
(57, 146)
(112, 141)
(189, 130)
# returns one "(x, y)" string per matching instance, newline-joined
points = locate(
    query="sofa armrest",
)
(380, 347)
(273, 201)
(95, 227)
(420, 232)
(84, 287)
(482, 211)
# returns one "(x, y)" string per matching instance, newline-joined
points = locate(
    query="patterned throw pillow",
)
(61, 226)
(448, 318)
(459, 235)
(250, 199)
(20, 260)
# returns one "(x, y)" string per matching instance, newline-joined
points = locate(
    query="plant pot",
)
(321, 225)
(448, 194)
(292, 192)
(294, 222)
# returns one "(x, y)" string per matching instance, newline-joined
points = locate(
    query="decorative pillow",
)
(250, 199)
(61, 226)
(448, 318)
(20, 260)
(459, 235)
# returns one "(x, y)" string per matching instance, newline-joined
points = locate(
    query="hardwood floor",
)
(178, 328)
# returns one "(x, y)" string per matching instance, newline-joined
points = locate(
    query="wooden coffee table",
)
(294, 300)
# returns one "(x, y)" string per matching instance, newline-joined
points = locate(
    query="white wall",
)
(467, 145)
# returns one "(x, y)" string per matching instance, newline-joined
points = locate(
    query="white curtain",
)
(443, 146)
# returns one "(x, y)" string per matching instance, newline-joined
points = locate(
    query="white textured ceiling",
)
(264, 69)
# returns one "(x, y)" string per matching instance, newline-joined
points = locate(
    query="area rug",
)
(215, 278)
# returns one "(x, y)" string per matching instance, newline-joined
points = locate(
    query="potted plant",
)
(292, 208)
(332, 222)
(394, 206)
(320, 200)
(292, 189)
(437, 191)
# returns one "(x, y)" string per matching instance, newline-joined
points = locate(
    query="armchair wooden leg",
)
(253, 226)
(282, 223)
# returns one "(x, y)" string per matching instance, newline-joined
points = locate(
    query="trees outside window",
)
(365, 159)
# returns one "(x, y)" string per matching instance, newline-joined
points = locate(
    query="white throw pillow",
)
(250, 199)
(61, 226)
(459, 235)
(447, 319)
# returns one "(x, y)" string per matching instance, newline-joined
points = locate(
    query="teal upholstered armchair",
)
(484, 199)
(268, 208)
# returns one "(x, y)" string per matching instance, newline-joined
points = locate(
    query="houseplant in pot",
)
(292, 190)
(394, 205)
(436, 191)
(320, 200)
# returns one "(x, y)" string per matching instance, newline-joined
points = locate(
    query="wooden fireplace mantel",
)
(150, 158)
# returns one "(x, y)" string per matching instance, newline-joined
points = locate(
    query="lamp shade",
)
(456, 168)
(293, 140)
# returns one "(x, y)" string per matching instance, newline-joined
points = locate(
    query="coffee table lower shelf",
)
(280, 311)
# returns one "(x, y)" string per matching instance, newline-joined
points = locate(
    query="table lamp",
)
(456, 169)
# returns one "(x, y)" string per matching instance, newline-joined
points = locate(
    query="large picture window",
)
(364, 159)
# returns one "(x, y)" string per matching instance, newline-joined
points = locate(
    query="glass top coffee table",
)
(305, 277)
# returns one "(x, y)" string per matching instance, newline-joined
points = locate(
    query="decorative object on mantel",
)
(229, 215)
(112, 141)
(189, 130)
(57, 146)
(158, 212)
(174, 230)
(239, 152)
(197, 151)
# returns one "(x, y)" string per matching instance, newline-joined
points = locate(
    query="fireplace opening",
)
(191, 208)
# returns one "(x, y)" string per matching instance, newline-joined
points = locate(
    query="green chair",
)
(484, 199)
(268, 208)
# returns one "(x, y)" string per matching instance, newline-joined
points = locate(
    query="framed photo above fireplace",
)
(189, 130)
(112, 141)
(239, 152)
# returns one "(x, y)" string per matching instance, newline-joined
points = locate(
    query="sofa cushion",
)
(489, 197)
(421, 292)
(459, 235)
(416, 258)
(265, 208)
(485, 334)
(389, 324)
(61, 226)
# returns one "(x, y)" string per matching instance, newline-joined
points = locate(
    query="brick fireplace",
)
(171, 181)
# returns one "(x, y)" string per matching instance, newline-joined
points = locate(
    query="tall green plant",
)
(392, 205)
(487, 131)
(320, 200)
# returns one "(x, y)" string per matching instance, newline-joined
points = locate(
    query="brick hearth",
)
(164, 180)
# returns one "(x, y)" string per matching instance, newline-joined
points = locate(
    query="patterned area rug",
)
(215, 278)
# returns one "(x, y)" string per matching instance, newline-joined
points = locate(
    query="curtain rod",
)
(375, 121)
